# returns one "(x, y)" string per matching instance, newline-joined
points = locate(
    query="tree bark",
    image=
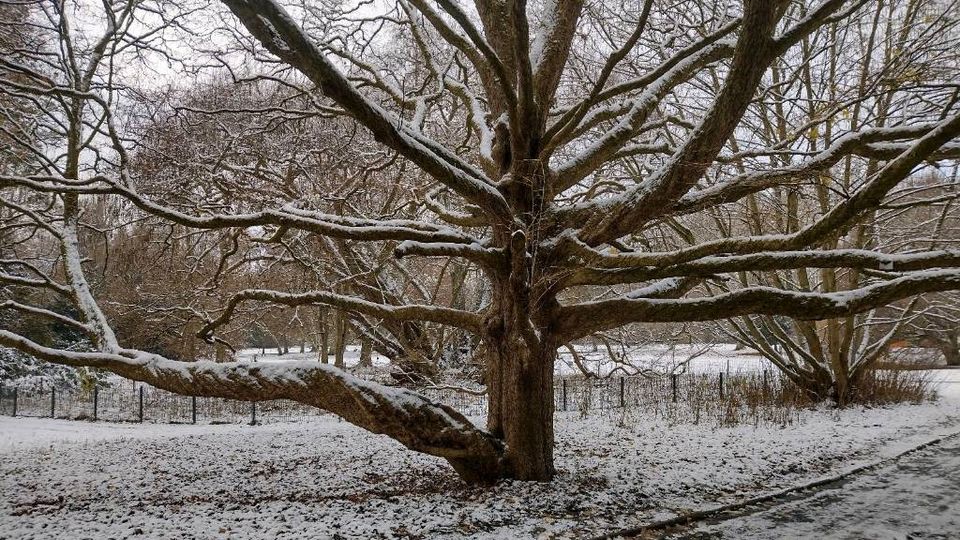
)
(323, 347)
(366, 352)
(520, 388)
(340, 340)
(951, 349)
(520, 398)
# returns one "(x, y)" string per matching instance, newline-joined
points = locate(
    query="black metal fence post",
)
(140, 406)
(721, 385)
(253, 413)
(53, 402)
(14, 401)
(673, 385)
(564, 381)
(96, 399)
(623, 403)
(193, 409)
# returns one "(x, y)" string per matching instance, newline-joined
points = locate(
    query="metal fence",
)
(147, 404)
(143, 403)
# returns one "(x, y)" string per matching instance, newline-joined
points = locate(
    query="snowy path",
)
(917, 497)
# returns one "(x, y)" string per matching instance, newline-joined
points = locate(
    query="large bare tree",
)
(570, 148)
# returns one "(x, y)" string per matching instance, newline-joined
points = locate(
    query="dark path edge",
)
(732, 509)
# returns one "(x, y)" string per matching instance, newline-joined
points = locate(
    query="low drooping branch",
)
(410, 418)
(578, 320)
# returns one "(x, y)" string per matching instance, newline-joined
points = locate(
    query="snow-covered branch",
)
(578, 320)
(279, 34)
(410, 418)
(413, 312)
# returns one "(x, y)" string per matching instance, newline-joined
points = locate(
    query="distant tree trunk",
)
(221, 353)
(323, 347)
(189, 348)
(303, 346)
(950, 347)
(366, 352)
(340, 339)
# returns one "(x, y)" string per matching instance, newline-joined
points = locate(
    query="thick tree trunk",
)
(520, 393)
(520, 397)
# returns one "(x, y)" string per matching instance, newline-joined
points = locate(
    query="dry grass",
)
(761, 399)
(889, 386)
(747, 399)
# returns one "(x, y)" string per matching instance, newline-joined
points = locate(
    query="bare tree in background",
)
(929, 322)
(830, 358)
(597, 144)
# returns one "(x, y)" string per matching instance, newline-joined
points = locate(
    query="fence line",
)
(143, 403)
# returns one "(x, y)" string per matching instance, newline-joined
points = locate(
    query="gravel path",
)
(917, 497)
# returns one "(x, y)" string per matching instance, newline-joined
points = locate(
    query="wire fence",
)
(693, 395)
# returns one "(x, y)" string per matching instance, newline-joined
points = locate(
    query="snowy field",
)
(328, 479)
(351, 356)
(657, 358)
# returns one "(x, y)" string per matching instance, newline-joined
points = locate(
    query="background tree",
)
(829, 358)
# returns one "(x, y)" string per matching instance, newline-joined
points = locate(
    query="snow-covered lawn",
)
(712, 358)
(328, 479)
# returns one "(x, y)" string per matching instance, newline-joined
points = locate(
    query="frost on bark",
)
(657, 182)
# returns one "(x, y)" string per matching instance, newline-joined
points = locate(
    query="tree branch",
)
(578, 320)
(410, 418)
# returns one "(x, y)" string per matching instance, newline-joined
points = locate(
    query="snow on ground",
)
(328, 479)
(712, 358)
(947, 383)
(351, 356)
(663, 358)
